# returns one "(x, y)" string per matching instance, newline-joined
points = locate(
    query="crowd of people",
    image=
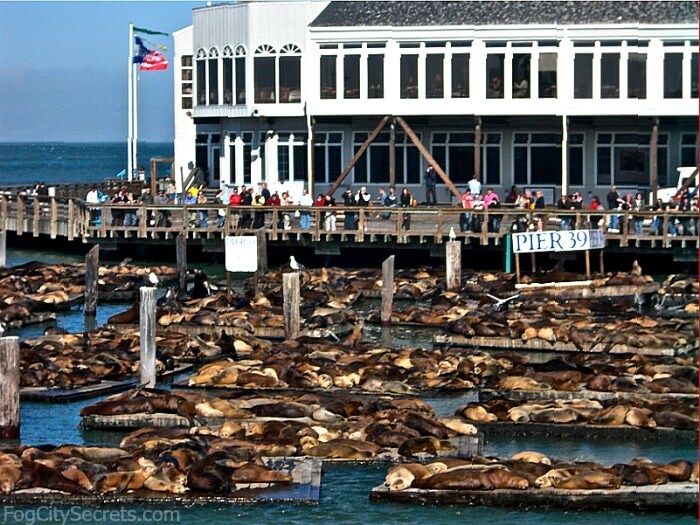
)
(473, 199)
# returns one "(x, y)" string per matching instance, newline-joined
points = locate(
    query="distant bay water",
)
(54, 162)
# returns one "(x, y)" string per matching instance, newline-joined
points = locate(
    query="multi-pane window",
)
(689, 149)
(351, 76)
(547, 75)
(290, 74)
(239, 82)
(375, 76)
(373, 166)
(328, 157)
(212, 65)
(537, 158)
(521, 75)
(455, 153)
(434, 85)
(291, 156)
(227, 81)
(583, 75)
(328, 76)
(694, 75)
(460, 75)
(575, 159)
(624, 159)
(673, 75)
(610, 75)
(637, 76)
(186, 78)
(264, 77)
(494, 75)
(201, 72)
(409, 76)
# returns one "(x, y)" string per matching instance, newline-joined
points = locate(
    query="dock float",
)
(672, 497)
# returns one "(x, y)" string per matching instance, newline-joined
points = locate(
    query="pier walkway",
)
(377, 227)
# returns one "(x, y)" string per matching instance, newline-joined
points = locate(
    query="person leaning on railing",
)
(163, 221)
(638, 206)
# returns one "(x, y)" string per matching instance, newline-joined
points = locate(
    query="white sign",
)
(241, 253)
(561, 241)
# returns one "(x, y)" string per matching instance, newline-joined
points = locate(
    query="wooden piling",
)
(92, 265)
(453, 262)
(262, 250)
(387, 290)
(517, 268)
(291, 297)
(600, 262)
(9, 388)
(36, 216)
(588, 264)
(181, 256)
(3, 249)
(148, 336)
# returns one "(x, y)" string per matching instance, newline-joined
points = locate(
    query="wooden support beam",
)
(600, 263)
(290, 307)
(3, 208)
(262, 250)
(71, 217)
(148, 336)
(477, 148)
(588, 263)
(3, 249)
(517, 268)
(426, 154)
(35, 219)
(54, 218)
(392, 154)
(387, 290)
(9, 388)
(357, 156)
(20, 215)
(453, 265)
(654, 158)
(92, 265)
(181, 261)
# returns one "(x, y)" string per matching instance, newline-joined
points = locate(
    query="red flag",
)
(154, 61)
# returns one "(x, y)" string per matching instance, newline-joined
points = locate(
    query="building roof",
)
(351, 13)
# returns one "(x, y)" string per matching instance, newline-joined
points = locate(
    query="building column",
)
(271, 161)
(224, 161)
(238, 146)
(565, 155)
(477, 148)
(654, 158)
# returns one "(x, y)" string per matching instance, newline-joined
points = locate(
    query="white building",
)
(559, 96)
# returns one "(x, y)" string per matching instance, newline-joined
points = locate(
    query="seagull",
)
(453, 234)
(501, 304)
(153, 279)
(294, 264)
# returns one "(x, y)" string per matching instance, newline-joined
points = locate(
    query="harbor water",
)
(344, 490)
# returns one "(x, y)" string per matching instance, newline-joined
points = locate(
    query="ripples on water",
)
(344, 492)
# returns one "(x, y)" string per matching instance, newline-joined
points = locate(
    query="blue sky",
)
(64, 70)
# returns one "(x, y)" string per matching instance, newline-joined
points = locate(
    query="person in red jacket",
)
(235, 200)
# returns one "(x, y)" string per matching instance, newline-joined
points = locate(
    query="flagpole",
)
(130, 110)
(136, 115)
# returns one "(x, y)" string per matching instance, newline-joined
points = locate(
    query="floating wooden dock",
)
(305, 488)
(671, 497)
(587, 289)
(619, 432)
(292, 390)
(539, 345)
(36, 318)
(262, 332)
(103, 388)
(583, 393)
(58, 395)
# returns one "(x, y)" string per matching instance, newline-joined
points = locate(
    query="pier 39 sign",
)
(241, 253)
(558, 241)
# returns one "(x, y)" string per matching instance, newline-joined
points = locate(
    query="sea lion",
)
(254, 473)
(212, 473)
(338, 451)
(77, 475)
(532, 457)
(477, 413)
(521, 383)
(675, 420)
(424, 444)
(554, 415)
(458, 426)
(401, 477)
(589, 481)
(679, 470)
(49, 478)
(458, 479)
(9, 476)
(639, 475)
(640, 417)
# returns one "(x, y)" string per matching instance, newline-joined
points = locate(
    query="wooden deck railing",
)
(72, 219)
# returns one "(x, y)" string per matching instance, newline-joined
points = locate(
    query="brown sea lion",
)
(532, 457)
(477, 413)
(589, 481)
(502, 478)
(9, 476)
(401, 477)
(458, 479)
(428, 445)
(49, 478)
(640, 417)
(679, 470)
(338, 451)
(254, 473)
(639, 475)
(675, 420)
